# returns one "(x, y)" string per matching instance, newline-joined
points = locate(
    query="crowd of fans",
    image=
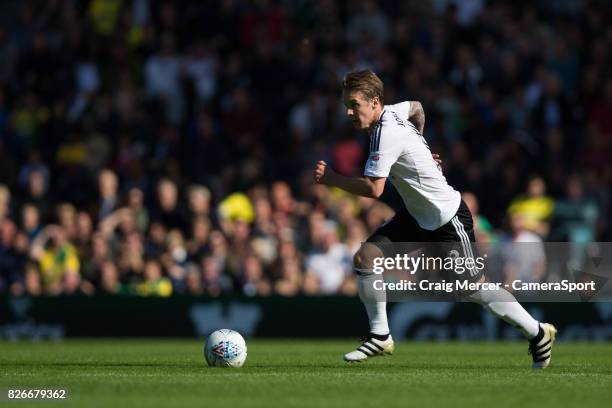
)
(159, 147)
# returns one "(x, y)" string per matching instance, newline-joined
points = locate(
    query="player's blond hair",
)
(366, 82)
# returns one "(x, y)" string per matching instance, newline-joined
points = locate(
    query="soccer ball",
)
(225, 348)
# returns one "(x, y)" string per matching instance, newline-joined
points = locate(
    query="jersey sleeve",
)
(402, 109)
(384, 152)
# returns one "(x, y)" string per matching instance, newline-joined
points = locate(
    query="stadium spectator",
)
(5, 202)
(168, 212)
(30, 220)
(136, 204)
(200, 234)
(534, 208)
(356, 234)
(108, 186)
(263, 224)
(12, 260)
(329, 266)
(282, 197)
(242, 122)
(523, 255)
(193, 281)
(56, 257)
(131, 255)
(100, 254)
(153, 282)
(214, 281)
(287, 252)
(252, 279)
(32, 284)
(162, 73)
(290, 281)
(201, 67)
(575, 215)
(83, 235)
(155, 241)
(36, 194)
(368, 23)
(34, 163)
(66, 216)
(109, 280)
(199, 201)
(483, 230)
(72, 285)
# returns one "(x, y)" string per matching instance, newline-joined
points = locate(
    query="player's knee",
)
(364, 258)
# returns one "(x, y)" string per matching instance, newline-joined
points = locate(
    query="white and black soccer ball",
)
(225, 348)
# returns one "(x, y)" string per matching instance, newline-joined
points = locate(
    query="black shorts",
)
(403, 227)
(402, 234)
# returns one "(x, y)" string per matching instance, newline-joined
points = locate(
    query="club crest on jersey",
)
(375, 157)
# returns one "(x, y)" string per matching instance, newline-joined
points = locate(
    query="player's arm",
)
(364, 186)
(416, 115)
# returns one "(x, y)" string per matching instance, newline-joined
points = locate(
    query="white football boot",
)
(371, 347)
(540, 347)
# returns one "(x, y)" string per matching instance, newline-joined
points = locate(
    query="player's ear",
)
(376, 101)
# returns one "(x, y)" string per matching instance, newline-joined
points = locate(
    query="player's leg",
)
(504, 305)
(378, 341)
(375, 302)
(501, 302)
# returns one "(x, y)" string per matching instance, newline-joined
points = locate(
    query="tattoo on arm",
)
(416, 116)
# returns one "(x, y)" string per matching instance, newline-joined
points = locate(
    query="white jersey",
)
(398, 151)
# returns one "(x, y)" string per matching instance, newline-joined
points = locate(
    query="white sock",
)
(504, 305)
(377, 310)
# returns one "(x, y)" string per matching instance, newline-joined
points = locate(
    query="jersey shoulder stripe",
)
(373, 137)
(380, 126)
(376, 134)
(377, 138)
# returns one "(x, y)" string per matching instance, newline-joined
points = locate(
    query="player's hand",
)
(437, 158)
(322, 174)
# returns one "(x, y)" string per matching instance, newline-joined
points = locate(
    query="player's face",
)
(361, 111)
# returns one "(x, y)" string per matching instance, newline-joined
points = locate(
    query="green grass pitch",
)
(301, 373)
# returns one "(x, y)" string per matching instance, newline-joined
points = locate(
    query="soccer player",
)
(433, 211)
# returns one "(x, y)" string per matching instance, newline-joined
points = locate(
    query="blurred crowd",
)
(166, 147)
